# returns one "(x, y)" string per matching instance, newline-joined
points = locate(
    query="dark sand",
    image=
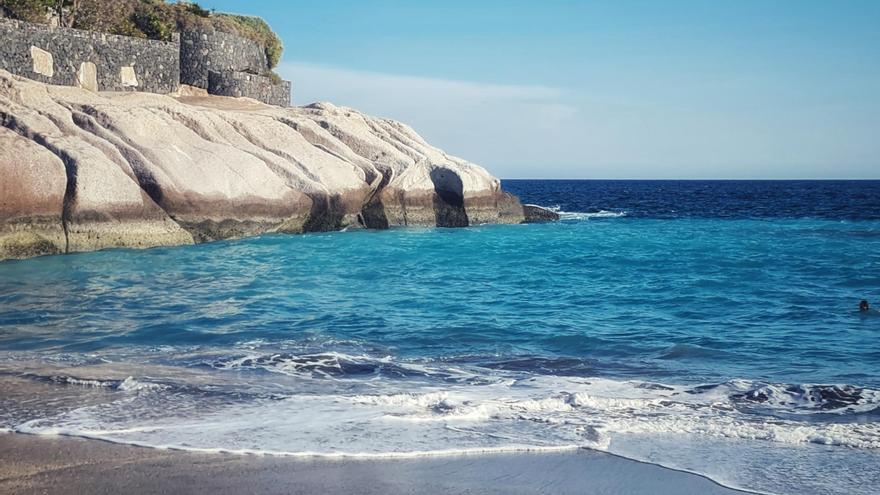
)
(31, 464)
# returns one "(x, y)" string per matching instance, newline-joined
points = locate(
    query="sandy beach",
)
(61, 465)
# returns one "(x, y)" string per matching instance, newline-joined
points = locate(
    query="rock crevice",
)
(10, 122)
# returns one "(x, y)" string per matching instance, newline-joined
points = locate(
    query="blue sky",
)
(603, 89)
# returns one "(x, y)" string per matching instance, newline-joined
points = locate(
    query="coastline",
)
(57, 464)
(140, 170)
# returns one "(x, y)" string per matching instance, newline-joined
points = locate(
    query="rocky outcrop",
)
(81, 171)
(30, 224)
(539, 214)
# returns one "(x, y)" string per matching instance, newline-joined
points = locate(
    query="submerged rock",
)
(81, 171)
(538, 214)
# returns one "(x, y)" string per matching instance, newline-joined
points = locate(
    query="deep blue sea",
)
(710, 326)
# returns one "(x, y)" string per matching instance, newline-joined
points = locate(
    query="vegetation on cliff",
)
(153, 19)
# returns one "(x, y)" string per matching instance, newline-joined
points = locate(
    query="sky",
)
(602, 89)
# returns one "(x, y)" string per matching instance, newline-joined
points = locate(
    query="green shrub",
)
(152, 25)
(253, 28)
(127, 28)
(107, 17)
(35, 11)
(276, 79)
(197, 10)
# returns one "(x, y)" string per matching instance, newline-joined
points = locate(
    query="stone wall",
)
(222, 63)
(242, 84)
(229, 65)
(95, 61)
(203, 51)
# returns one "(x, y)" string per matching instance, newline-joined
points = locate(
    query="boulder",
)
(102, 206)
(31, 198)
(539, 214)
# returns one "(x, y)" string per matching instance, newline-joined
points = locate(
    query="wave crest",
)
(585, 215)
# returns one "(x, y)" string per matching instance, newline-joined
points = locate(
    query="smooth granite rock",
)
(31, 199)
(81, 171)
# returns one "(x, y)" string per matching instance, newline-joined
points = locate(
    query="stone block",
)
(87, 77)
(43, 61)
(128, 77)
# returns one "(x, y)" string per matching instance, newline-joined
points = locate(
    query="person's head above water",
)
(863, 306)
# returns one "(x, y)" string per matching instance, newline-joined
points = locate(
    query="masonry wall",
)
(242, 84)
(229, 65)
(96, 61)
(203, 51)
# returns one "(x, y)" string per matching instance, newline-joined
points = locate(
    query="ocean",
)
(707, 326)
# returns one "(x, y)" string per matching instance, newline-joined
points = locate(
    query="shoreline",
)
(61, 464)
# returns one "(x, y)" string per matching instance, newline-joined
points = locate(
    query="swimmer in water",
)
(863, 306)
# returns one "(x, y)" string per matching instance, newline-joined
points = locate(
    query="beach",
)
(439, 248)
(61, 465)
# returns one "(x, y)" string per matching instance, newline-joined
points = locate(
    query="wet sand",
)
(64, 465)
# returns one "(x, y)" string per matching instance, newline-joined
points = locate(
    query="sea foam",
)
(337, 404)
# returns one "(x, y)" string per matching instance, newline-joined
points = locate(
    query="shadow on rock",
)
(373, 214)
(448, 199)
(326, 215)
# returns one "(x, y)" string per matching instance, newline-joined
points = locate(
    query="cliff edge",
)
(81, 171)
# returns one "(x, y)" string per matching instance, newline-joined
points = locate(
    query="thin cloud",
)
(316, 82)
(542, 131)
(495, 125)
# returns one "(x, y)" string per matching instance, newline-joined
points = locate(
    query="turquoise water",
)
(727, 343)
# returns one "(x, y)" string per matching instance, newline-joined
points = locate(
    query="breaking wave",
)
(585, 215)
(129, 384)
(304, 403)
(511, 407)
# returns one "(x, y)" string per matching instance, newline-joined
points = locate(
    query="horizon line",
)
(696, 179)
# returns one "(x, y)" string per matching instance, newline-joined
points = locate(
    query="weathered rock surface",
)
(81, 171)
(539, 214)
(30, 224)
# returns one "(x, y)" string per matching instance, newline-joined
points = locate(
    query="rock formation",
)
(539, 214)
(81, 171)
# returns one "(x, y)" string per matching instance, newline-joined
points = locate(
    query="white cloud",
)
(312, 82)
(507, 128)
(641, 130)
